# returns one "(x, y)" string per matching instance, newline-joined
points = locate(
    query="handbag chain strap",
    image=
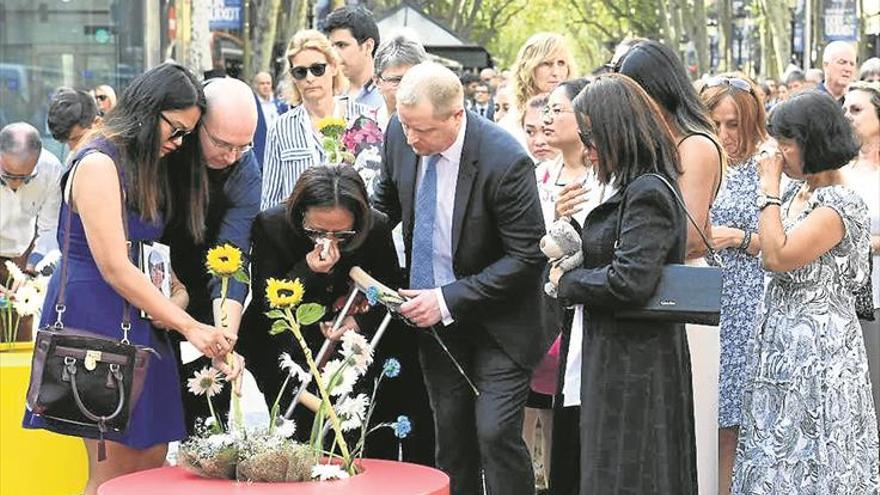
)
(60, 307)
(680, 202)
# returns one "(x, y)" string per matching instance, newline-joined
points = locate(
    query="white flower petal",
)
(325, 472)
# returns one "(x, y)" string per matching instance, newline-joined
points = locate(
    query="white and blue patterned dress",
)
(808, 423)
(742, 286)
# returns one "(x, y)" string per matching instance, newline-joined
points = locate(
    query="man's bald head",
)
(229, 122)
(20, 148)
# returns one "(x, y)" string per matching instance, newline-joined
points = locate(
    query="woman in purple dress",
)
(151, 121)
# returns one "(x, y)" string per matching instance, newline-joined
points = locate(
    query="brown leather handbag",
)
(80, 379)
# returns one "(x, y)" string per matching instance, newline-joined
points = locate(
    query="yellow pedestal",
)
(32, 462)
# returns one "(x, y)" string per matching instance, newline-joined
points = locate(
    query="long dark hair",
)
(659, 71)
(329, 186)
(623, 123)
(134, 126)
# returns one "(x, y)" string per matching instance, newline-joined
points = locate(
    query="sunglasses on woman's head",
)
(176, 132)
(300, 71)
(733, 82)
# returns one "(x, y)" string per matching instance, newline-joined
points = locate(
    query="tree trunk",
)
(725, 29)
(199, 57)
(701, 38)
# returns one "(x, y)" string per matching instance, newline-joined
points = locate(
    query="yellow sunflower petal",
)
(283, 294)
(223, 260)
(331, 126)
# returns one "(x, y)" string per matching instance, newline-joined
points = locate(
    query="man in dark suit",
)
(484, 104)
(466, 193)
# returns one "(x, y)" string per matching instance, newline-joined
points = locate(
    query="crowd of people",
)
(777, 183)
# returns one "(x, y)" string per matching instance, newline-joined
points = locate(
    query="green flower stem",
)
(230, 358)
(218, 426)
(14, 330)
(334, 419)
(277, 404)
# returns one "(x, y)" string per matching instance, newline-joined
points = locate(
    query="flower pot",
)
(33, 461)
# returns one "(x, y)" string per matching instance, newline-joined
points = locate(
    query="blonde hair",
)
(537, 49)
(311, 39)
(432, 82)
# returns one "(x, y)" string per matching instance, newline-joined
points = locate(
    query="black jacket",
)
(496, 229)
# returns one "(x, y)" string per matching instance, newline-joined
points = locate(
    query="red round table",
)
(379, 477)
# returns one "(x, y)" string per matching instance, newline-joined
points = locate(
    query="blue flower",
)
(391, 368)
(4, 302)
(402, 427)
(373, 295)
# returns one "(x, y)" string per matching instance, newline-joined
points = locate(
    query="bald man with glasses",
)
(226, 136)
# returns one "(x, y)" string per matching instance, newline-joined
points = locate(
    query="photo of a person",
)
(157, 267)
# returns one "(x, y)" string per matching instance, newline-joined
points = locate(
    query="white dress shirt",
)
(33, 207)
(447, 177)
(270, 111)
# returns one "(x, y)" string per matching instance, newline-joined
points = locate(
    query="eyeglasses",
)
(176, 132)
(391, 80)
(551, 113)
(733, 82)
(6, 178)
(299, 72)
(342, 236)
(226, 147)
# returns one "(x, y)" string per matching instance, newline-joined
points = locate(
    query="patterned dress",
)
(808, 416)
(742, 285)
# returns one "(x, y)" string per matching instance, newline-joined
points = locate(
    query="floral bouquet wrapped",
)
(357, 143)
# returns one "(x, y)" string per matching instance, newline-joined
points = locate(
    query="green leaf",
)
(278, 327)
(275, 314)
(309, 313)
(241, 276)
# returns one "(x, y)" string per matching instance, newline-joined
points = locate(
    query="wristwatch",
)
(764, 201)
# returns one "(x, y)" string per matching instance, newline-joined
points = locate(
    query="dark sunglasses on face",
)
(341, 236)
(100, 97)
(586, 136)
(176, 132)
(299, 72)
(733, 82)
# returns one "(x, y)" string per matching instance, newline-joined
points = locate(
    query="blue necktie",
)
(421, 273)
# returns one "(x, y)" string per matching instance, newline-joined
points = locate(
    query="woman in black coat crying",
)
(636, 423)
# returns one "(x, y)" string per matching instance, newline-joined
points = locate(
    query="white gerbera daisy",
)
(27, 300)
(208, 382)
(326, 472)
(344, 382)
(295, 370)
(15, 272)
(284, 428)
(357, 351)
(352, 411)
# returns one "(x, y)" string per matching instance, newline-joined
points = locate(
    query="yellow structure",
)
(32, 462)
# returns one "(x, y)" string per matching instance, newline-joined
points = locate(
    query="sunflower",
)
(223, 260)
(283, 294)
(332, 127)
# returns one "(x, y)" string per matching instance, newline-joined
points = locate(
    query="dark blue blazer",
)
(496, 229)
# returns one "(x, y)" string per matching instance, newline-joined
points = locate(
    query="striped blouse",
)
(292, 146)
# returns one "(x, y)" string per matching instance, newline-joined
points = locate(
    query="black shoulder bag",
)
(685, 294)
(83, 379)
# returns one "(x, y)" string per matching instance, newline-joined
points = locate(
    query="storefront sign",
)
(841, 21)
(226, 14)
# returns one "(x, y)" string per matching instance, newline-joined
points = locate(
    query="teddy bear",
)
(562, 245)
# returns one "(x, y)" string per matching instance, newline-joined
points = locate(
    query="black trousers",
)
(484, 432)
(196, 407)
(565, 462)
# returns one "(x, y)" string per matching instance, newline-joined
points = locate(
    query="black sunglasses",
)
(176, 132)
(100, 97)
(733, 82)
(342, 236)
(6, 178)
(586, 136)
(299, 72)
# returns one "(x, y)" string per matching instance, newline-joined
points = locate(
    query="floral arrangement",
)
(22, 295)
(269, 454)
(357, 143)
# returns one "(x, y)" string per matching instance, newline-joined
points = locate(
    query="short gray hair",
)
(21, 140)
(869, 68)
(432, 82)
(835, 49)
(399, 50)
